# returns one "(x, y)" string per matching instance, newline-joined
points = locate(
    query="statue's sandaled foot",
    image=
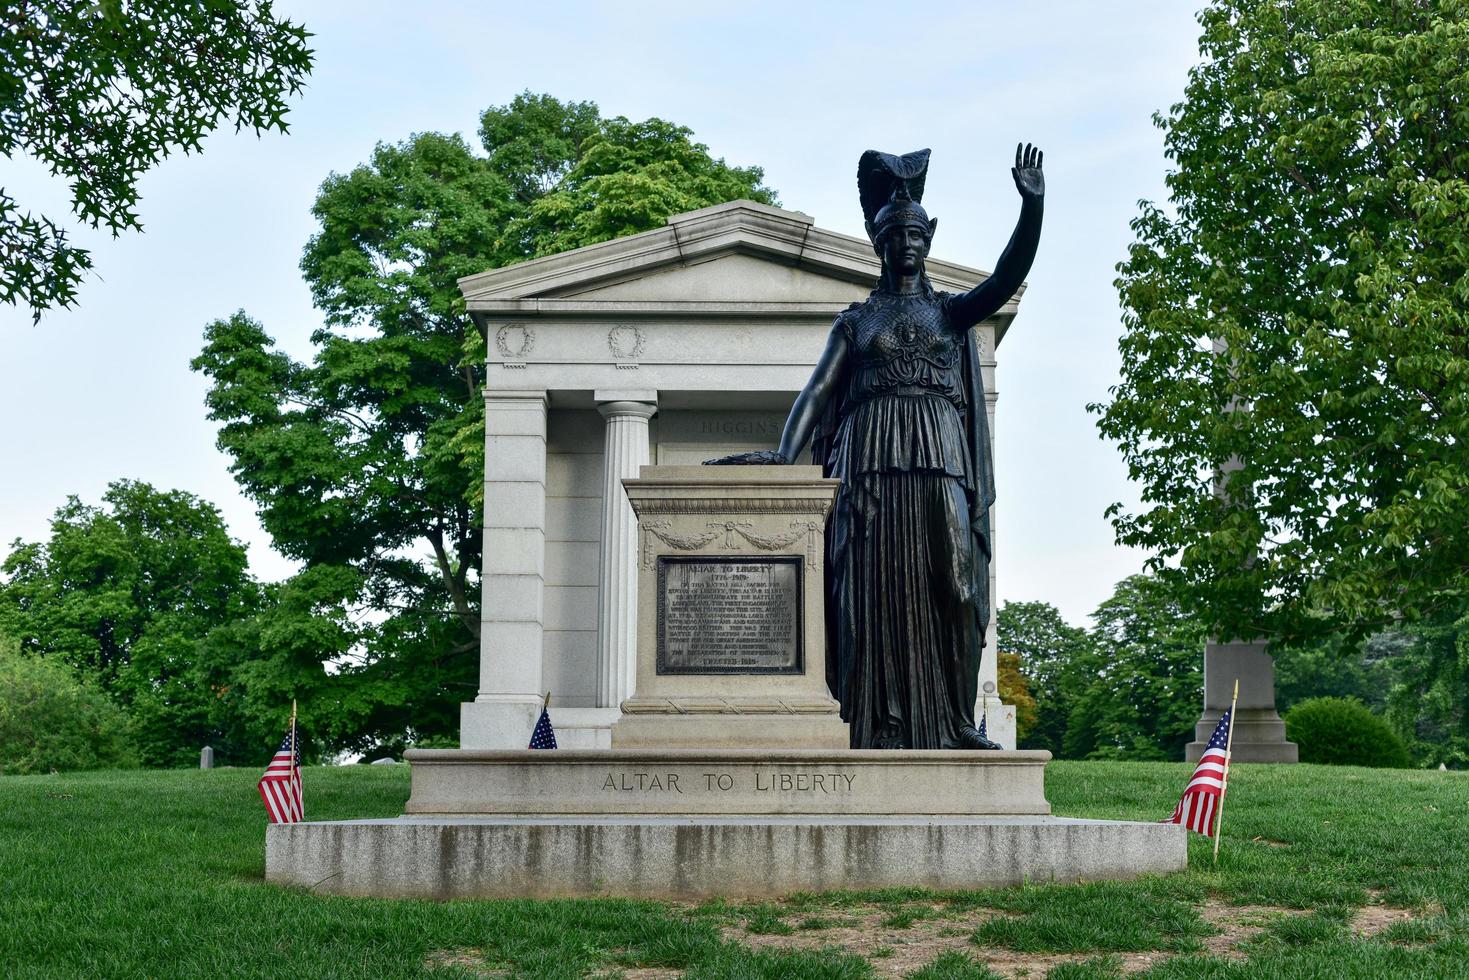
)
(891, 742)
(969, 738)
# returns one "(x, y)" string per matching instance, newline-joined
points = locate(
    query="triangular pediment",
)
(736, 253)
(731, 277)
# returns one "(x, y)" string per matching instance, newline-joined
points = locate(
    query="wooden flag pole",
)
(1224, 783)
(546, 702)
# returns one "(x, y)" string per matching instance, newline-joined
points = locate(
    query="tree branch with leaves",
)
(101, 92)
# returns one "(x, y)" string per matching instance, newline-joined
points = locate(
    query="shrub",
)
(1343, 732)
(50, 720)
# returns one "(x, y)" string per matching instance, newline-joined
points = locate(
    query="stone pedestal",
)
(727, 783)
(1259, 732)
(731, 622)
(694, 824)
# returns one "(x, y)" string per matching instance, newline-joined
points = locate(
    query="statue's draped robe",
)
(908, 543)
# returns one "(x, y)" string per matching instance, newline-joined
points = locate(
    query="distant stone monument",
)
(1259, 731)
(206, 758)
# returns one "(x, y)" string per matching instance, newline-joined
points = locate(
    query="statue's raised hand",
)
(1029, 180)
(764, 457)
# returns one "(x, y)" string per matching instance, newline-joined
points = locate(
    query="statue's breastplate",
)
(904, 344)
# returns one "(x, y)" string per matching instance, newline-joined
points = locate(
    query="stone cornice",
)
(573, 307)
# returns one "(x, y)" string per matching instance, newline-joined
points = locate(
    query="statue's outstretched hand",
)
(1030, 181)
(764, 457)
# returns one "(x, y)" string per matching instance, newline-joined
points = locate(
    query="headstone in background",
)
(384, 762)
(206, 758)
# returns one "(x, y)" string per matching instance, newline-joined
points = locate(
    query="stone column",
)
(504, 713)
(626, 452)
(999, 716)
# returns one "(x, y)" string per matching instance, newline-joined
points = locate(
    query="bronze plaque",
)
(719, 615)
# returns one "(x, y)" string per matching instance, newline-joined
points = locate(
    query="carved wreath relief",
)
(515, 341)
(625, 342)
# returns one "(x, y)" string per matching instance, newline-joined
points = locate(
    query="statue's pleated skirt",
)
(906, 644)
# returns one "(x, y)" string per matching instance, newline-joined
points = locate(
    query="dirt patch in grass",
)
(1008, 963)
(1237, 925)
(470, 960)
(1371, 920)
(928, 932)
(893, 951)
(899, 942)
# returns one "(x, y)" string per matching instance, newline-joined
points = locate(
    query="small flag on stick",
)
(544, 737)
(1203, 797)
(280, 787)
(1224, 790)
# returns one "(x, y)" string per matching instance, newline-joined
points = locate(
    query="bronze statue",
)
(896, 410)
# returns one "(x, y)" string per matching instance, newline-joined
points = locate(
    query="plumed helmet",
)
(891, 189)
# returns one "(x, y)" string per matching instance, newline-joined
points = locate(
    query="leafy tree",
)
(1057, 660)
(1415, 676)
(258, 665)
(627, 178)
(1339, 667)
(102, 91)
(1015, 690)
(123, 594)
(369, 458)
(1144, 701)
(1318, 230)
(51, 721)
(1428, 702)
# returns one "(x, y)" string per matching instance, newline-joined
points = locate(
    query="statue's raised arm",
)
(1014, 263)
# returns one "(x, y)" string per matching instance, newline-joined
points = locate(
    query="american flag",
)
(280, 787)
(544, 737)
(1204, 794)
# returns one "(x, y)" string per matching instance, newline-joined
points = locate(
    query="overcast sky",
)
(104, 391)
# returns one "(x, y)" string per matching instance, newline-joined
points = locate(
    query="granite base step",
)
(697, 857)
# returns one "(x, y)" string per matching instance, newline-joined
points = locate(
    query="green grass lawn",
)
(1325, 872)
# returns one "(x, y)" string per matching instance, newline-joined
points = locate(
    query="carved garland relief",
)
(734, 532)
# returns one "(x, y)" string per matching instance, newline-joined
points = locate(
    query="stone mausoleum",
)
(701, 753)
(667, 347)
